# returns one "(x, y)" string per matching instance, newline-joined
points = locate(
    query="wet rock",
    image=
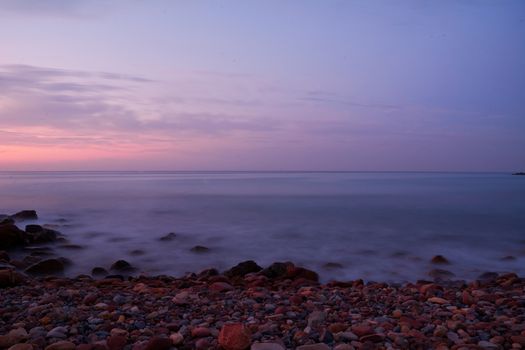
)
(200, 249)
(46, 267)
(70, 246)
(137, 252)
(11, 236)
(25, 215)
(242, 269)
(508, 258)
(440, 274)
(296, 272)
(234, 337)
(440, 260)
(276, 270)
(332, 266)
(38, 234)
(169, 237)
(122, 266)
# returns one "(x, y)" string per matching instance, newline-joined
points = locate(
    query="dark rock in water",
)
(488, 276)
(33, 228)
(99, 271)
(39, 234)
(10, 278)
(46, 267)
(519, 173)
(4, 256)
(439, 274)
(508, 258)
(440, 259)
(296, 272)
(243, 268)
(276, 270)
(332, 266)
(11, 236)
(25, 215)
(208, 273)
(122, 266)
(200, 249)
(169, 237)
(137, 252)
(4, 219)
(71, 246)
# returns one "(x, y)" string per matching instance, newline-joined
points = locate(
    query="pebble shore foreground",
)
(280, 308)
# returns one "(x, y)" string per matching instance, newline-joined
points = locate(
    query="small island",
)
(519, 173)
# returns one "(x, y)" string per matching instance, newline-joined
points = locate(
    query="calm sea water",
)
(377, 226)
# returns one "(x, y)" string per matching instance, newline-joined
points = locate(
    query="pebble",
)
(263, 311)
(234, 337)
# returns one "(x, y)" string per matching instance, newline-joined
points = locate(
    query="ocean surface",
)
(375, 226)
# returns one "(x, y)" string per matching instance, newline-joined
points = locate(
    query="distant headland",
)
(519, 173)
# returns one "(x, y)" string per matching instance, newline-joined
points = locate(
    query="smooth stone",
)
(176, 339)
(25, 215)
(121, 266)
(440, 260)
(22, 346)
(242, 269)
(46, 267)
(61, 345)
(200, 249)
(234, 337)
(169, 237)
(158, 343)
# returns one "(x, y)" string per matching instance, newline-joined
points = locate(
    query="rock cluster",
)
(280, 307)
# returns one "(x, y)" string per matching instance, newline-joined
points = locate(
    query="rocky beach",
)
(280, 306)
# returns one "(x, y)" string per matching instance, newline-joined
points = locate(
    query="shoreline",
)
(281, 306)
(283, 312)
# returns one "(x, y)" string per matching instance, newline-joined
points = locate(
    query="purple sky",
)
(262, 85)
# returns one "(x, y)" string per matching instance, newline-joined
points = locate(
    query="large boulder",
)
(46, 267)
(25, 215)
(122, 266)
(39, 234)
(11, 236)
(242, 269)
(10, 278)
(277, 270)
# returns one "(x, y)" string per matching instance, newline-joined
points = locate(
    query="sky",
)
(262, 85)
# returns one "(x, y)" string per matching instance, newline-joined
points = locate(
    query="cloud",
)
(40, 105)
(53, 8)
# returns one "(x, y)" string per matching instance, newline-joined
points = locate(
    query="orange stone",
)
(235, 337)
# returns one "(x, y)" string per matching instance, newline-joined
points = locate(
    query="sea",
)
(378, 226)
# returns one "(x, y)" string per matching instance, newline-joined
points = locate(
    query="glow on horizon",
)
(313, 85)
